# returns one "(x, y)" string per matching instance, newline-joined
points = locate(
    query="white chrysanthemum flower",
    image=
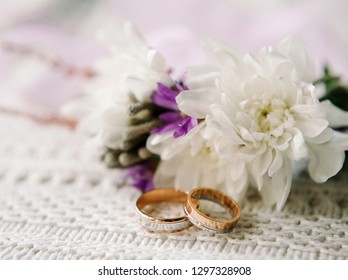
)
(192, 161)
(265, 107)
(132, 68)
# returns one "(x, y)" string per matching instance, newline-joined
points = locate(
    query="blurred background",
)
(67, 29)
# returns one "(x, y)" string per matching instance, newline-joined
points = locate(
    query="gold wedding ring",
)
(158, 224)
(205, 222)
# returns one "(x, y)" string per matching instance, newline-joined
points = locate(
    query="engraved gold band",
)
(157, 224)
(205, 222)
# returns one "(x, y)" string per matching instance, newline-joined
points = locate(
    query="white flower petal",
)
(323, 137)
(156, 61)
(231, 135)
(262, 163)
(282, 142)
(208, 175)
(327, 159)
(297, 52)
(336, 116)
(111, 138)
(163, 145)
(115, 116)
(140, 88)
(288, 90)
(169, 153)
(133, 34)
(309, 111)
(220, 115)
(252, 62)
(196, 103)
(298, 148)
(276, 163)
(161, 178)
(236, 187)
(284, 71)
(201, 76)
(257, 86)
(258, 181)
(156, 139)
(276, 189)
(228, 60)
(311, 128)
(186, 174)
(248, 154)
(236, 169)
(216, 46)
(169, 167)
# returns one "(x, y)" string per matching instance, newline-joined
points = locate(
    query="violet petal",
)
(141, 176)
(185, 126)
(161, 101)
(165, 97)
(170, 117)
(164, 128)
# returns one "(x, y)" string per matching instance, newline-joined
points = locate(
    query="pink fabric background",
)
(175, 28)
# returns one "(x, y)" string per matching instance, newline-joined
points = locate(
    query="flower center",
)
(206, 150)
(266, 114)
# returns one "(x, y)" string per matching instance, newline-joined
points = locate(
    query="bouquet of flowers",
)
(244, 120)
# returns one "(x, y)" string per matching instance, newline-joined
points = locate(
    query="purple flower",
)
(173, 119)
(141, 176)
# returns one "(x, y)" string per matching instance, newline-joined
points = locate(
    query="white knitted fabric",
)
(57, 202)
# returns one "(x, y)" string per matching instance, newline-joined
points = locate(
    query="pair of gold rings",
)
(193, 215)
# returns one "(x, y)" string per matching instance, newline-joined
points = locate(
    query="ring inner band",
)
(218, 198)
(159, 224)
(205, 222)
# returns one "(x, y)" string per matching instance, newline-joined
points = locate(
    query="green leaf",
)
(335, 91)
(338, 96)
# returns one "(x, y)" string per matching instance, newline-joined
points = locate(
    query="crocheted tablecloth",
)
(58, 202)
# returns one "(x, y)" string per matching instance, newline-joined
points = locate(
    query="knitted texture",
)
(57, 201)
